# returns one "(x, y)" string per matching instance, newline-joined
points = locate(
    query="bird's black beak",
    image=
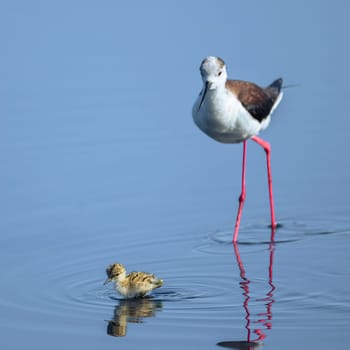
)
(203, 95)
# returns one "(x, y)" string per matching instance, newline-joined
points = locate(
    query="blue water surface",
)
(101, 162)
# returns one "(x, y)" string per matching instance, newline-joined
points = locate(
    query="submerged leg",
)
(243, 194)
(266, 146)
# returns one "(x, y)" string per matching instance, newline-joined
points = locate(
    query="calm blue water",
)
(101, 162)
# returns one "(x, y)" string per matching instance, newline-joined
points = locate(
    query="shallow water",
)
(97, 170)
(214, 292)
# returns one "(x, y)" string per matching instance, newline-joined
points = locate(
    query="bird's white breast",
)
(222, 117)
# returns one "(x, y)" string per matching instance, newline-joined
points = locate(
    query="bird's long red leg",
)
(243, 194)
(266, 146)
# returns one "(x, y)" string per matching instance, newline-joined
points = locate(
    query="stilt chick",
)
(134, 284)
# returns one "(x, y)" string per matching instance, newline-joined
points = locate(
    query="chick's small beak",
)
(107, 280)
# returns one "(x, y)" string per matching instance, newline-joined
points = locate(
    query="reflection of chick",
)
(117, 328)
(133, 285)
(134, 311)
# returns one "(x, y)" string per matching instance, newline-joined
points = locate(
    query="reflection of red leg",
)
(243, 194)
(266, 146)
(244, 284)
(260, 334)
(271, 291)
(272, 254)
(268, 301)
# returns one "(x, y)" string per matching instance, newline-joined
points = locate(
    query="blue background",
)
(99, 154)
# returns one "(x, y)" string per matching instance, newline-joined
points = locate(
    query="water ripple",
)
(288, 231)
(66, 283)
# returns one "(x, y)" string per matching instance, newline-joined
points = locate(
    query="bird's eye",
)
(219, 73)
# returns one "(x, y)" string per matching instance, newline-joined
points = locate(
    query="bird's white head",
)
(214, 75)
(213, 72)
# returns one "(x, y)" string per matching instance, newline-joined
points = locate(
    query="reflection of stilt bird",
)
(132, 310)
(265, 318)
(133, 285)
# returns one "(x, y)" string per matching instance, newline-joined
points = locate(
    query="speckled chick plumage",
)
(134, 284)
